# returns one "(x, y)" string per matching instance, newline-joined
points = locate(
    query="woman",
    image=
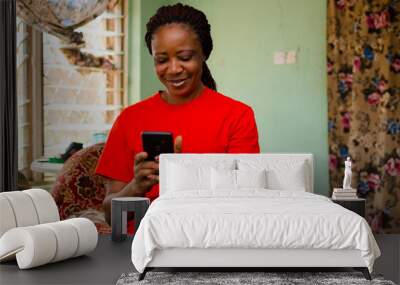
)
(201, 120)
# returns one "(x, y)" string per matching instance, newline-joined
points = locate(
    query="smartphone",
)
(155, 143)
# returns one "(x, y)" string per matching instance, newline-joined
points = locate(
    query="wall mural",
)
(364, 103)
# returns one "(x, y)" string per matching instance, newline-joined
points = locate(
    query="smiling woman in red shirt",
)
(201, 119)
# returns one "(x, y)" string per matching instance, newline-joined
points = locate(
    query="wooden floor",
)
(389, 262)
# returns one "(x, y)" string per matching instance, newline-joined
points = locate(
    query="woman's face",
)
(178, 61)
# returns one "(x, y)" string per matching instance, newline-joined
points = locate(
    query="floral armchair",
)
(78, 191)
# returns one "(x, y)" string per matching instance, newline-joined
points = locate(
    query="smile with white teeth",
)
(177, 83)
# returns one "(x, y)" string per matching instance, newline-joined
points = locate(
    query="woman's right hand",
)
(146, 174)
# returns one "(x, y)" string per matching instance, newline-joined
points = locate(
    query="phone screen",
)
(155, 143)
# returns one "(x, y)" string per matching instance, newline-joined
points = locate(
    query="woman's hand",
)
(146, 174)
(178, 144)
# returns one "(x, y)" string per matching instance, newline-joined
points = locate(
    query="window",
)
(80, 101)
(60, 102)
(23, 99)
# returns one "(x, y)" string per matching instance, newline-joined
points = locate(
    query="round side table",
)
(119, 211)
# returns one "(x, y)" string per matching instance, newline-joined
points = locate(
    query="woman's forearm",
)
(128, 191)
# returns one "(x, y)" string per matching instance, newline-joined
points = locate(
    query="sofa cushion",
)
(78, 188)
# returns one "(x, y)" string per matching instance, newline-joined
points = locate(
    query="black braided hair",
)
(192, 17)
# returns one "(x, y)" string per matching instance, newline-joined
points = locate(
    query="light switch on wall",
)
(279, 57)
(291, 57)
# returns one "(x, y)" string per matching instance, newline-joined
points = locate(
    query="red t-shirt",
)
(210, 123)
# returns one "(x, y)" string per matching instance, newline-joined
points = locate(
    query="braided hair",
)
(192, 17)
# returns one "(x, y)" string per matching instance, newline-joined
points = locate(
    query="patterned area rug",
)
(242, 278)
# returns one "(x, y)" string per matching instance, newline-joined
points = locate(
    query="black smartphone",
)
(155, 143)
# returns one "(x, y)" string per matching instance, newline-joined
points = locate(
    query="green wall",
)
(142, 81)
(289, 101)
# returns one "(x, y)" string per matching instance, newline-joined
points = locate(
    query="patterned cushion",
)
(78, 191)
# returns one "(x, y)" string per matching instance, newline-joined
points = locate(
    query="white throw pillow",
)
(193, 175)
(289, 175)
(236, 179)
(293, 180)
(223, 179)
(251, 178)
(183, 177)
